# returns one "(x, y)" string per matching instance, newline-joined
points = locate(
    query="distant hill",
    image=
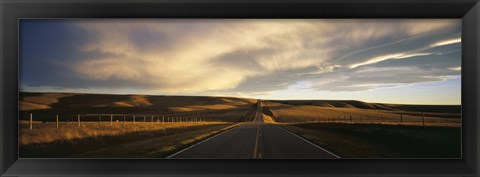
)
(365, 105)
(47, 104)
(73, 103)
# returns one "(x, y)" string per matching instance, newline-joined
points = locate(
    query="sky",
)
(405, 61)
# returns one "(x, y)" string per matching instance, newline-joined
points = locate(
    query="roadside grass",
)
(382, 141)
(267, 119)
(46, 141)
(159, 147)
(47, 132)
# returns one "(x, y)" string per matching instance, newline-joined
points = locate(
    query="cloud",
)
(387, 57)
(458, 68)
(370, 78)
(447, 42)
(258, 56)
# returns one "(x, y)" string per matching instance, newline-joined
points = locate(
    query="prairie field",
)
(349, 114)
(69, 140)
(47, 132)
(142, 126)
(353, 129)
(115, 126)
(45, 106)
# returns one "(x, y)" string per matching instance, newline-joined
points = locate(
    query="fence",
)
(124, 118)
(419, 119)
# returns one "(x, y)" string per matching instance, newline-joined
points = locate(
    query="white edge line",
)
(308, 141)
(170, 156)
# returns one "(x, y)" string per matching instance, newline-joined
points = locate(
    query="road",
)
(255, 139)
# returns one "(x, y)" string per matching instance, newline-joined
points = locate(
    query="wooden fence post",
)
(78, 118)
(423, 119)
(401, 119)
(111, 119)
(31, 121)
(151, 119)
(134, 119)
(163, 118)
(124, 119)
(57, 120)
(144, 119)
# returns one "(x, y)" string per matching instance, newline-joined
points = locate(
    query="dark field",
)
(382, 141)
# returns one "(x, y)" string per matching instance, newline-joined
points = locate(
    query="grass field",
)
(382, 141)
(165, 124)
(308, 113)
(45, 106)
(93, 140)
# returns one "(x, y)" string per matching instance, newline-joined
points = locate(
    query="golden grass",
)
(44, 102)
(267, 119)
(47, 132)
(32, 106)
(307, 113)
(134, 101)
(202, 108)
(159, 146)
(41, 101)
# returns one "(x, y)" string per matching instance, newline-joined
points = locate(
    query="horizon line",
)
(239, 97)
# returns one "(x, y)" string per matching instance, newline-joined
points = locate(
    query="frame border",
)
(11, 11)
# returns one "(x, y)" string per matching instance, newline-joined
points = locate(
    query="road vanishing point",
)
(254, 139)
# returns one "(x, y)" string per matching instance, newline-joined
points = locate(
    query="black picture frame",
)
(11, 11)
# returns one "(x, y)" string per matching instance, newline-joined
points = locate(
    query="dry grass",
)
(160, 146)
(202, 108)
(41, 101)
(141, 140)
(374, 106)
(306, 113)
(47, 132)
(267, 119)
(67, 107)
(68, 101)
(134, 101)
(32, 106)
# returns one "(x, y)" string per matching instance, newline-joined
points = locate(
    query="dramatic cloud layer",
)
(252, 57)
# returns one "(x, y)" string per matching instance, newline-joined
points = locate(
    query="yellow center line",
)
(256, 142)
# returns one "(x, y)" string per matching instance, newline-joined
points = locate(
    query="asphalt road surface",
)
(254, 140)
